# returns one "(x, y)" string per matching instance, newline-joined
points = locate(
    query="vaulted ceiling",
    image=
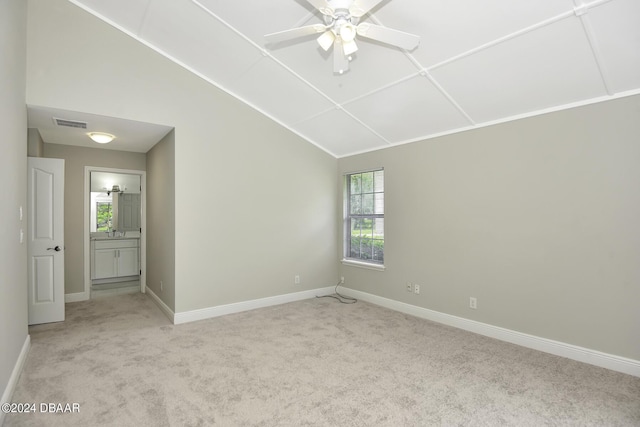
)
(478, 62)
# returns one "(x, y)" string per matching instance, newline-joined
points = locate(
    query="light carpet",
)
(309, 363)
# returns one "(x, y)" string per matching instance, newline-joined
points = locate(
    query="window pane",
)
(103, 216)
(354, 250)
(366, 249)
(367, 204)
(378, 207)
(355, 205)
(378, 250)
(356, 225)
(366, 227)
(378, 181)
(356, 187)
(378, 228)
(367, 182)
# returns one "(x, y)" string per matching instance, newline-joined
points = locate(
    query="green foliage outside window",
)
(104, 215)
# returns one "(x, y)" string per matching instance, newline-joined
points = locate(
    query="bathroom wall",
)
(76, 158)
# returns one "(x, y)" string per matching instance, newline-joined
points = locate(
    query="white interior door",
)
(46, 240)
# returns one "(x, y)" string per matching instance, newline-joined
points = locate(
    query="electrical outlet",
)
(342, 280)
(409, 287)
(416, 289)
(296, 279)
(473, 303)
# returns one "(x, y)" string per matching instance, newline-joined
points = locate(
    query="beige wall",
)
(161, 220)
(13, 175)
(254, 202)
(35, 144)
(76, 158)
(537, 219)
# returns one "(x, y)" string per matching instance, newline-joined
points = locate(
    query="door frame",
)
(87, 224)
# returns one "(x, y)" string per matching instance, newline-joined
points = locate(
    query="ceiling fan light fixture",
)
(349, 47)
(326, 40)
(347, 33)
(101, 137)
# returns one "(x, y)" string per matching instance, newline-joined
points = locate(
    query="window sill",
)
(362, 264)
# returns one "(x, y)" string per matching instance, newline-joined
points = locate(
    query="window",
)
(104, 215)
(364, 228)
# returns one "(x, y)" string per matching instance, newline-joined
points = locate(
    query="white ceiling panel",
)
(551, 66)
(416, 103)
(339, 133)
(451, 27)
(128, 14)
(616, 30)
(267, 81)
(485, 61)
(255, 18)
(182, 30)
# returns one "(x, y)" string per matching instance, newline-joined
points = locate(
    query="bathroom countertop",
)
(115, 238)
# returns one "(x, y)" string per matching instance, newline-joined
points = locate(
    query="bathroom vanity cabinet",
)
(115, 258)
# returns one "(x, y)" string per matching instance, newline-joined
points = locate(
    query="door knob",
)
(57, 249)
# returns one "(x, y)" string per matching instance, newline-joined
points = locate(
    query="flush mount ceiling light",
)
(101, 137)
(341, 25)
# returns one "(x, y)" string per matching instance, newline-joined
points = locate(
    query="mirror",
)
(115, 202)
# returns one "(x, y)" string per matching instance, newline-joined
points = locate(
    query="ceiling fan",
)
(341, 25)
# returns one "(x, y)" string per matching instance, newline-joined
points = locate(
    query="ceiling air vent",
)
(70, 123)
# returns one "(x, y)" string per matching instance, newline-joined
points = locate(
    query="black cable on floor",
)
(343, 299)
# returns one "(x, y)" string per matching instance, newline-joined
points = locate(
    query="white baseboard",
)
(78, 296)
(221, 310)
(15, 375)
(570, 351)
(164, 307)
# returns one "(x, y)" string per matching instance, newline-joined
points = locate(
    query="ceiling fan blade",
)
(293, 33)
(340, 60)
(322, 6)
(360, 7)
(387, 35)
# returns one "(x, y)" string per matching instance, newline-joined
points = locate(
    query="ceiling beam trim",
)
(444, 93)
(542, 24)
(581, 12)
(265, 53)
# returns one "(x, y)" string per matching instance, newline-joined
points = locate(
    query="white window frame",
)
(347, 260)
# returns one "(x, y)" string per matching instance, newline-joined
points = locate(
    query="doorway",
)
(114, 231)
